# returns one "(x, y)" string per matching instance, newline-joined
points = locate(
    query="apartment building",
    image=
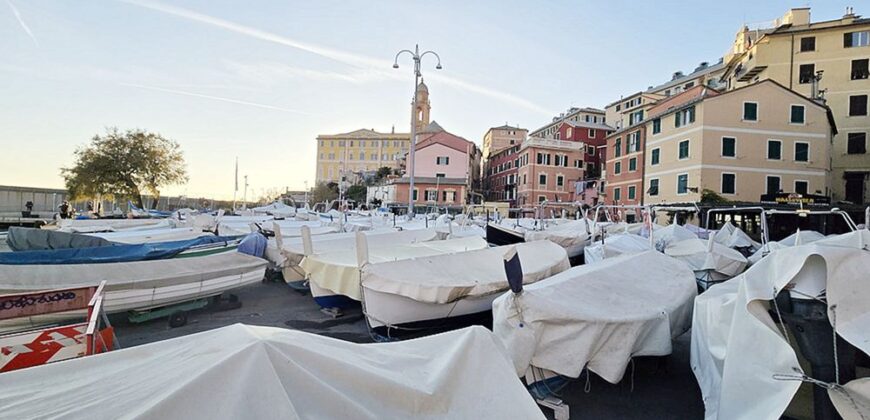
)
(500, 175)
(741, 144)
(548, 169)
(826, 59)
(500, 138)
(624, 167)
(350, 154)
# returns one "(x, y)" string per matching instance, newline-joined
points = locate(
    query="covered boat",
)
(818, 293)
(596, 316)
(616, 245)
(712, 262)
(438, 287)
(334, 276)
(141, 284)
(572, 235)
(252, 373)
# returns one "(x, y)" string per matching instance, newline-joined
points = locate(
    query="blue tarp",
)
(108, 254)
(254, 244)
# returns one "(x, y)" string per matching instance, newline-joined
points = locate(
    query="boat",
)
(448, 286)
(145, 236)
(808, 299)
(139, 285)
(573, 235)
(497, 234)
(334, 276)
(711, 261)
(254, 373)
(616, 245)
(596, 316)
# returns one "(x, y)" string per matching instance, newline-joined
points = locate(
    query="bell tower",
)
(420, 115)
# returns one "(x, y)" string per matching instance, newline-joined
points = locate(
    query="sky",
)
(259, 80)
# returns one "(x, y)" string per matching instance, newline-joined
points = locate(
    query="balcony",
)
(552, 143)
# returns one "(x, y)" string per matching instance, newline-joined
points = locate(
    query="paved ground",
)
(663, 388)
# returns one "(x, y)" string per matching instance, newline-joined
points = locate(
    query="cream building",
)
(740, 144)
(351, 154)
(792, 50)
(500, 138)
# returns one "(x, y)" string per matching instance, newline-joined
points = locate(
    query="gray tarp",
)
(29, 239)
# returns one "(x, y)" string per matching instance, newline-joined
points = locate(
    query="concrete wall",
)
(45, 200)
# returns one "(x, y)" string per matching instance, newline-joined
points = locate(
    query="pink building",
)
(549, 169)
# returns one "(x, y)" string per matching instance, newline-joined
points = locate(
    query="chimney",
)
(677, 75)
(850, 12)
(702, 66)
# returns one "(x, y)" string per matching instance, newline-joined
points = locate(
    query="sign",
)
(796, 199)
(45, 302)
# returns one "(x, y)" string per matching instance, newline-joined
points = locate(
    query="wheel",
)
(177, 319)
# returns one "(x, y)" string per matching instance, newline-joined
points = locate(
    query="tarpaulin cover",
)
(144, 236)
(801, 237)
(573, 235)
(733, 237)
(724, 262)
(664, 237)
(246, 372)
(615, 245)
(289, 228)
(732, 323)
(447, 278)
(597, 316)
(338, 271)
(29, 239)
(109, 225)
(107, 254)
(254, 244)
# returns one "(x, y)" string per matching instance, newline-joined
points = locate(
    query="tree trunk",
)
(156, 200)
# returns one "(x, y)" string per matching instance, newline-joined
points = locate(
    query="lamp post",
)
(416, 55)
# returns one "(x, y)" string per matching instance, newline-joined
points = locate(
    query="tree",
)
(711, 197)
(356, 193)
(125, 164)
(383, 172)
(324, 192)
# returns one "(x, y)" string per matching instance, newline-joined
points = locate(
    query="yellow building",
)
(741, 144)
(352, 155)
(794, 51)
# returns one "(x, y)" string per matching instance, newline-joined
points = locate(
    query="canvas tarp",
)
(29, 239)
(573, 235)
(447, 278)
(338, 271)
(246, 372)
(597, 316)
(152, 235)
(732, 322)
(724, 262)
(615, 245)
(110, 225)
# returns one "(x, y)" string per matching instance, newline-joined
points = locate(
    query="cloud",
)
(370, 64)
(21, 22)
(217, 98)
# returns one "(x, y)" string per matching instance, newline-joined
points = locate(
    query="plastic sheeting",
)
(338, 271)
(597, 316)
(447, 278)
(107, 254)
(722, 262)
(613, 246)
(29, 239)
(670, 234)
(245, 372)
(732, 323)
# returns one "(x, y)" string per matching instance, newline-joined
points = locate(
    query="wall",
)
(425, 161)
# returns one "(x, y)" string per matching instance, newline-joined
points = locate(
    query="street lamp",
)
(416, 55)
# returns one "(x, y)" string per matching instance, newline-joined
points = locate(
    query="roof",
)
(584, 124)
(709, 69)
(365, 133)
(431, 180)
(505, 127)
(446, 139)
(693, 95)
(571, 112)
(422, 87)
(432, 127)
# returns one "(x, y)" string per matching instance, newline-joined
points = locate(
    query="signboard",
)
(46, 302)
(796, 199)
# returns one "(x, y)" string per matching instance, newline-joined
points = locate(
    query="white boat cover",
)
(731, 323)
(151, 235)
(625, 243)
(276, 209)
(722, 261)
(597, 316)
(338, 271)
(799, 237)
(665, 236)
(289, 228)
(246, 372)
(110, 225)
(573, 235)
(734, 237)
(448, 278)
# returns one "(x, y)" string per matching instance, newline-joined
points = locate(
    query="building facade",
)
(740, 144)
(549, 169)
(500, 138)
(826, 59)
(624, 167)
(500, 175)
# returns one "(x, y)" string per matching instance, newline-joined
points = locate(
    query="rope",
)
(834, 334)
(804, 378)
(779, 315)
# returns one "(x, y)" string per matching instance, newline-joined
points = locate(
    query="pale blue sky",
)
(260, 79)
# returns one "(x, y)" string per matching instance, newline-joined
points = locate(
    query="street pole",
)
(245, 195)
(417, 57)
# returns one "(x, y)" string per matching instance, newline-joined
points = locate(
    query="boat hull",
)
(496, 235)
(386, 309)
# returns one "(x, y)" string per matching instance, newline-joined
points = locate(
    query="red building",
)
(500, 175)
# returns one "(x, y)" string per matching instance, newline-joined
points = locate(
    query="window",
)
(772, 184)
(569, 132)
(373, 156)
(632, 164)
(635, 117)
(442, 160)
(592, 133)
(590, 150)
(440, 175)
(684, 117)
(524, 179)
(857, 144)
(684, 149)
(542, 198)
(657, 125)
(415, 194)
(750, 111)
(341, 143)
(774, 149)
(654, 156)
(617, 148)
(542, 179)
(860, 70)
(856, 39)
(560, 181)
(801, 187)
(682, 183)
(801, 152)
(448, 196)
(729, 147)
(653, 187)
(632, 192)
(797, 114)
(806, 73)
(633, 142)
(728, 183)
(431, 195)
(857, 105)
(617, 168)
(689, 85)
(350, 143)
(321, 155)
(617, 194)
(808, 44)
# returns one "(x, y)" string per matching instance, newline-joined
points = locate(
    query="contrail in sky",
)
(21, 22)
(345, 57)
(217, 98)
